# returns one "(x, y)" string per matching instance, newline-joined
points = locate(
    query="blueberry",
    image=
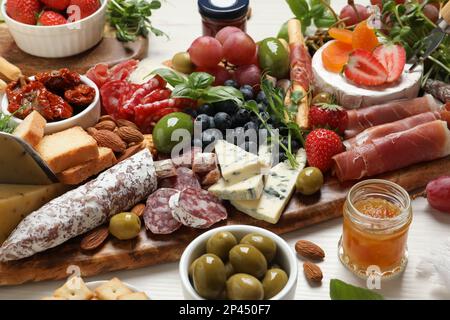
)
(247, 92)
(206, 109)
(261, 98)
(227, 106)
(191, 112)
(262, 107)
(241, 117)
(231, 83)
(251, 126)
(203, 121)
(210, 136)
(222, 121)
(295, 145)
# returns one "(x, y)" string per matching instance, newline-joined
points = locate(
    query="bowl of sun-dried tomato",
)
(63, 97)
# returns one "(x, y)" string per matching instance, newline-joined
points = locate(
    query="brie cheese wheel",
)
(352, 96)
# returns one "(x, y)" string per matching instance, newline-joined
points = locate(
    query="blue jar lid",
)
(223, 9)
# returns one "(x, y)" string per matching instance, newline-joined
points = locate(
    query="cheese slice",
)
(265, 155)
(280, 184)
(17, 201)
(236, 164)
(248, 189)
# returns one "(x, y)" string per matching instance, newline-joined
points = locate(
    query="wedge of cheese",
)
(249, 189)
(17, 201)
(236, 164)
(280, 184)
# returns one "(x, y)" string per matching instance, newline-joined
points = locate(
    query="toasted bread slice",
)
(82, 172)
(67, 149)
(31, 129)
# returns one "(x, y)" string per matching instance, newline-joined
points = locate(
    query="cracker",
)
(74, 289)
(111, 290)
(53, 298)
(134, 296)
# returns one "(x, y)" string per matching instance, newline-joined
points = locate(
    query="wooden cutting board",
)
(109, 50)
(149, 249)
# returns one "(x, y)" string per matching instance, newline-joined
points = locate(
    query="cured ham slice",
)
(361, 119)
(380, 131)
(426, 142)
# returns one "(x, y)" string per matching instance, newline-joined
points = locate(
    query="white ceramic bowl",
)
(58, 41)
(285, 257)
(87, 118)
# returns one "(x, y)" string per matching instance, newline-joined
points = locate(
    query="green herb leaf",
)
(172, 77)
(183, 91)
(222, 93)
(339, 290)
(299, 8)
(200, 80)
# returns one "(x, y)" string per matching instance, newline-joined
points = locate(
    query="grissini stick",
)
(9, 70)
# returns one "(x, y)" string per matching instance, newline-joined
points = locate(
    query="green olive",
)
(274, 281)
(309, 181)
(209, 276)
(191, 268)
(246, 258)
(166, 134)
(182, 62)
(220, 244)
(264, 244)
(274, 58)
(229, 269)
(322, 97)
(243, 286)
(125, 226)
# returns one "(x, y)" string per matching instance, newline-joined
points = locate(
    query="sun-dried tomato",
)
(80, 96)
(58, 81)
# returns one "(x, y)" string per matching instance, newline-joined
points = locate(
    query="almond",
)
(95, 238)
(312, 272)
(91, 130)
(106, 117)
(309, 250)
(126, 123)
(138, 209)
(211, 177)
(131, 151)
(110, 140)
(129, 134)
(106, 125)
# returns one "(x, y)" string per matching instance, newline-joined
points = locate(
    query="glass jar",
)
(377, 215)
(217, 14)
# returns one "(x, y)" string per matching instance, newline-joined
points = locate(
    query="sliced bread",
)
(31, 129)
(67, 149)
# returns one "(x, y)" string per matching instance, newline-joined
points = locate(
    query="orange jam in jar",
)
(377, 215)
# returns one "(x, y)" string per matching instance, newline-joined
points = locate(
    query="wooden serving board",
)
(149, 249)
(109, 50)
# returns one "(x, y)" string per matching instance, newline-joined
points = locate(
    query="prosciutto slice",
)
(361, 119)
(382, 130)
(426, 142)
(301, 65)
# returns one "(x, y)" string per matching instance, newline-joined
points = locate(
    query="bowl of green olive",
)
(238, 262)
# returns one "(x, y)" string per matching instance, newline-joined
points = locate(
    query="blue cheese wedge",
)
(236, 164)
(265, 155)
(249, 189)
(280, 184)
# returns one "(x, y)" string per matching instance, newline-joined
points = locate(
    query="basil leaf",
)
(324, 22)
(317, 8)
(299, 8)
(222, 93)
(172, 77)
(200, 80)
(339, 290)
(184, 91)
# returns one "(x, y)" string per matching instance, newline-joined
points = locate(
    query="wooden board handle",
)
(445, 13)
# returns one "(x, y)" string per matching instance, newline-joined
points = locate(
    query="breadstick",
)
(9, 70)
(2, 86)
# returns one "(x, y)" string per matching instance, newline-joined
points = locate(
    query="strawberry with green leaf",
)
(329, 116)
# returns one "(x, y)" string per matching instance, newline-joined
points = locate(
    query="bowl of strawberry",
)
(55, 28)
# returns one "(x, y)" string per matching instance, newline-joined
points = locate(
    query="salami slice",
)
(197, 208)
(158, 215)
(185, 178)
(122, 70)
(99, 74)
(113, 94)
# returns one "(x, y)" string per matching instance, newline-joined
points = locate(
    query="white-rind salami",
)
(83, 209)
(158, 215)
(197, 208)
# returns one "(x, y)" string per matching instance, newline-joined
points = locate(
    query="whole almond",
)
(110, 140)
(106, 117)
(106, 125)
(309, 250)
(91, 130)
(95, 238)
(131, 151)
(129, 134)
(126, 123)
(138, 209)
(312, 272)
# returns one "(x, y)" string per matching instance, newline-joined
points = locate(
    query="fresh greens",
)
(5, 123)
(339, 290)
(198, 86)
(131, 18)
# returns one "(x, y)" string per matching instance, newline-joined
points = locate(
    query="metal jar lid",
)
(223, 9)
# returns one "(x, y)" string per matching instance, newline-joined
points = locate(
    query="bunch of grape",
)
(231, 55)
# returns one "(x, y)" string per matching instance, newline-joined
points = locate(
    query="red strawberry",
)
(393, 59)
(364, 69)
(25, 11)
(56, 4)
(87, 7)
(321, 145)
(330, 116)
(51, 18)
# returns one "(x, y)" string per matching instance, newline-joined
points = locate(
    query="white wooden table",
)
(179, 18)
